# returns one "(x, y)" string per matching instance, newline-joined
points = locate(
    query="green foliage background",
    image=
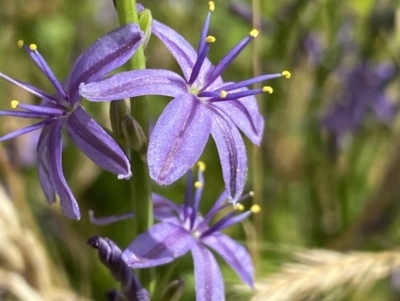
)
(309, 198)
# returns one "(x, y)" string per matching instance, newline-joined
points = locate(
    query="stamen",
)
(210, 39)
(20, 43)
(286, 74)
(33, 47)
(14, 104)
(41, 63)
(254, 33)
(198, 184)
(250, 81)
(204, 32)
(255, 208)
(239, 207)
(268, 89)
(199, 62)
(225, 62)
(211, 5)
(223, 94)
(201, 165)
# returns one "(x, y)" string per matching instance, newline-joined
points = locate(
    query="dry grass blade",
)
(25, 268)
(318, 273)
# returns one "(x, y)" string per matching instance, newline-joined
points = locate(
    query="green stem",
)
(140, 181)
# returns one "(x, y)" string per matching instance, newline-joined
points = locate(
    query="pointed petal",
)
(181, 50)
(29, 88)
(163, 209)
(106, 54)
(245, 114)
(232, 154)
(22, 114)
(234, 254)
(67, 200)
(135, 83)
(95, 143)
(161, 244)
(208, 277)
(178, 138)
(43, 166)
(25, 130)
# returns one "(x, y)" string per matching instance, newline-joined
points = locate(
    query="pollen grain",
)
(254, 33)
(268, 89)
(201, 165)
(286, 74)
(211, 5)
(14, 104)
(210, 39)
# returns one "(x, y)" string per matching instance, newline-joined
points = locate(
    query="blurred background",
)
(327, 174)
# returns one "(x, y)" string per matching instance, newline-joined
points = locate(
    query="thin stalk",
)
(257, 159)
(140, 181)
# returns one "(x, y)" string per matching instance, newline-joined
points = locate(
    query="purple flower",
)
(363, 90)
(64, 109)
(181, 229)
(203, 104)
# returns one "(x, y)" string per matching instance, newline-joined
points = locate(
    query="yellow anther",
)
(286, 74)
(268, 89)
(211, 5)
(251, 193)
(254, 33)
(210, 39)
(20, 43)
(198, 184)
(255, 208)
(223, 94)
(33, 47)
(239, 207)
(201, 165)
(14, 104)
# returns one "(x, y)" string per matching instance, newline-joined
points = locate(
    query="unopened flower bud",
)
(145, 23)
(118, 110)
(134, 135)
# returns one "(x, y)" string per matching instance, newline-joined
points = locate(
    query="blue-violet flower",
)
(364, 89)
(203, 104)
(64, 109)
(181, 229)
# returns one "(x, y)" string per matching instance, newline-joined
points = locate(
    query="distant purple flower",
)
(64, 109)
(363, 90)
(203, 104)
(181, 229)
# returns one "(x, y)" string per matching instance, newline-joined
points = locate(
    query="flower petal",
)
(245, 114)
(234, 254)
(95, 143)
(43, 166)
(208, 277)
(26, 129)
(164, 209)
(135, 83)
(178, 138)
(161, 244)
(232, 154)
(181, 50)
(106, 54)
(54, 148)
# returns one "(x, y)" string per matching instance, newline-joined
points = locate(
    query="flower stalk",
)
(140, 183)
